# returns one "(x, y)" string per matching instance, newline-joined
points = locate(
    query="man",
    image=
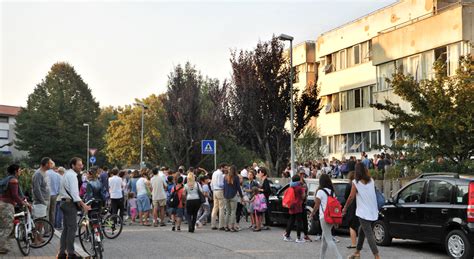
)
(115, 190)
(69, 194)
(364, 160)
(267, 191)
(217, 186)
(104, 179)
(54, 184)
(158, 194)
(41, 193)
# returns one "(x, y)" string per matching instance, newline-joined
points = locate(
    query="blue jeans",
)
(58, 219)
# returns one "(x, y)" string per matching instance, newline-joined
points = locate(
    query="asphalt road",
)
(161, 242)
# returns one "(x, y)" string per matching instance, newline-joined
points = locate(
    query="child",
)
(295, 209)
(132, 204)
(259, 207)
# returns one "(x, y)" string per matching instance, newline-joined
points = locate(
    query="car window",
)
(412, 193)
(312, 187)
(282, 191)
(462, 193)
(340, 189)
(439, 192)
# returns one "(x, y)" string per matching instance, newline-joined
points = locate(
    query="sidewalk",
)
(48, 251)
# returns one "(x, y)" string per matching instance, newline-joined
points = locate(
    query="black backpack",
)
(173, 201)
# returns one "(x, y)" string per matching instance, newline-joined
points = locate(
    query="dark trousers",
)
(192, 208)
(238, 213)
(268, 221)
(294, 218)
(304, 221)
(69, 228)
(116, 205)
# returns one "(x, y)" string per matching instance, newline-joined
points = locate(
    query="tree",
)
(106, 116)
(308, 145)
(441, 116)
(259, 102)
(123, 138)
(52, 122)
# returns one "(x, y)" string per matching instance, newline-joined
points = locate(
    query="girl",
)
(325, 189)
(132, 204)
(259, 207)
(248, 186)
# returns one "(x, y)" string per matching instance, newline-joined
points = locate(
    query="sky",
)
(126, 49)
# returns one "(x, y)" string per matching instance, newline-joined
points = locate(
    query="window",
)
(384, 71)
(343, 101)
(357, 97)
(310, 67)
(439, 192)
(356, 51)
(454, 51)
(342, 59)
(350, 99)
(365, 141)
(335, 61)
(413, 67)
(365, 55)
(3, 134)
(412, 193)
(374, 139)
(296, 75)
(350, 57)
(427, 60)
(330, 144)
(335, 102)
(3, 119)
(462, 193)
(329, 64)
(441, 55)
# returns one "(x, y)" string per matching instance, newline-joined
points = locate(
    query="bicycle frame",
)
(28, 223)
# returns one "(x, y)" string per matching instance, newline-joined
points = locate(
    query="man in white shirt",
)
(69, 194)
(115, 190)
(158, 194)
(217, 186)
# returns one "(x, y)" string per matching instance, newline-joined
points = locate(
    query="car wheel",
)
(381, 234)
(457, 245)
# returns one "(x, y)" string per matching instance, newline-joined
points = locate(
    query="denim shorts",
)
(179, 212)
(143, 203)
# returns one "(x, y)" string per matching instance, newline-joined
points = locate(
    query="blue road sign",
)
(92, 159)
(208, 147)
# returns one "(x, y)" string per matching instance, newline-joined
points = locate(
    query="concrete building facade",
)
(7, 132)
(356, 58)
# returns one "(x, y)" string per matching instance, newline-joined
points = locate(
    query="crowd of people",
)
(162, 197)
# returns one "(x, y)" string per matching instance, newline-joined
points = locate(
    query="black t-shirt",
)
(351, 165)
(267, 190)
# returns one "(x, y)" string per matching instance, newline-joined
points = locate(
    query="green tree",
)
(308, 145)
(441, 121)
(52, 122)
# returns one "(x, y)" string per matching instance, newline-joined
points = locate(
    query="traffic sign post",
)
(209, 147)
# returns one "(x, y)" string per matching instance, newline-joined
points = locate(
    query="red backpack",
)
(333, 212)
(288, 198)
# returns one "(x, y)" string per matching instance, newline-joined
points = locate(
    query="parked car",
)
(279, 214)
(436, 208)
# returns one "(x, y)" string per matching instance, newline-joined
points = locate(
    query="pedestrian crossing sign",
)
(208, 147)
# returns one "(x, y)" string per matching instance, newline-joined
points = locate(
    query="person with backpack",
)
(176, 205)
(94, 189)
(293, 200)
(329, 214)
(259, 206)
(363, 190)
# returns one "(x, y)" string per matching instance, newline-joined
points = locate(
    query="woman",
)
(178, 212)
(351, 214)
(193, 201)
(143, 200)
(249, 194)
(325, 189)
(132, 184)
(363, 190)
(231, 188)
(94, 188)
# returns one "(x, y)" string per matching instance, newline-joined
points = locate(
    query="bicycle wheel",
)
(44, 229)
(22, 239)
(98, 246)
(112, 226)
(86, 238)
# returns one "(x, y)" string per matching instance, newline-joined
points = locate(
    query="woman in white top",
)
(193, 201)
(363, 190)
(325, 188)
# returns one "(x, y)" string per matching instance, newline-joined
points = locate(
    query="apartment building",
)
(356, 58)
(7, 132)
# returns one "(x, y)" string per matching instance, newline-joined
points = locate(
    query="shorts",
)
(159, 203)
(143, 203)
(133, 212)
(179, 212)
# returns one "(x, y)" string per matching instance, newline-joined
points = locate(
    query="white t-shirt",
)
(324, 201)
(366, 201)
(158, 188)
(115, 187)
(141, 187)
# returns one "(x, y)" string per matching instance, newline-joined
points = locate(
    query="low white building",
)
(7, 132)
(356, 57)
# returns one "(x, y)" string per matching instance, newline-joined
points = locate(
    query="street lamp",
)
(87, 125)
(144, 107)
(284, 37)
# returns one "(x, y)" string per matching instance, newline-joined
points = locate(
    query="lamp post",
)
(141, 144)
(87, 125)
(284, 37)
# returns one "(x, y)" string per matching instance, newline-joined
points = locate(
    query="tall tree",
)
(52, 122)
(259, 106)
(123, 138)
(441, 115)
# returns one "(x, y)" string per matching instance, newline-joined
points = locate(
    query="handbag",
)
(202, 198)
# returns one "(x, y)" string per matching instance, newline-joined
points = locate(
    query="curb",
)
(77, 248)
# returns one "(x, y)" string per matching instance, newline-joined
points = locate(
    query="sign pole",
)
(215, 155)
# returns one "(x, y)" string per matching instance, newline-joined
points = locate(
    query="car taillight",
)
(470, 206)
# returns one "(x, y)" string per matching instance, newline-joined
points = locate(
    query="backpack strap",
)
(326, 192)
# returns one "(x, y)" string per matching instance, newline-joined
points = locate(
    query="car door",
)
(279, 213)
(404, 218)
(436, 210)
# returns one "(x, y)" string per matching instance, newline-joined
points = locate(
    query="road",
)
(161, 242)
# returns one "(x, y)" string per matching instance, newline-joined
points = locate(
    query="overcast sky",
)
(125, 50)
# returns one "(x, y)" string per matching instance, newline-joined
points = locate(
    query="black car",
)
(279, 214)
(434, 208)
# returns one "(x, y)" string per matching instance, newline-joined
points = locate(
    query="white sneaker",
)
(317, 238)
(287, 239)
(335, 239)
(300, 240)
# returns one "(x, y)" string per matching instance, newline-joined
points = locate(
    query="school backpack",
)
(333, 212)
(288, 198)
(4, 184)
(173, 201)
(259, 203)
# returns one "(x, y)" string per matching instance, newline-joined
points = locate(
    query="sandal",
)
(351, 247)
(233, 230)
(353, 257)
(256, 230)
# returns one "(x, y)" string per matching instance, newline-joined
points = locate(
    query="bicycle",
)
(111, 224)
(27, 229)
(90, 233)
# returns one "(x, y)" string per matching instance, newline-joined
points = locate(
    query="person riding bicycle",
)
(10, 196)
